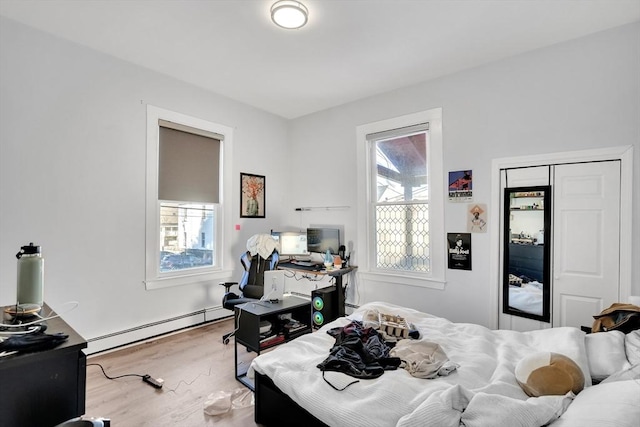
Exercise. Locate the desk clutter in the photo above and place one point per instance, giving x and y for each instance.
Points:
(286, 328)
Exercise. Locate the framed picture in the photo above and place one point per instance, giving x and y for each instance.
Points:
(252, 200)
(459, 251)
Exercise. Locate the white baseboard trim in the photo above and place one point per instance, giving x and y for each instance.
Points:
(152, 330)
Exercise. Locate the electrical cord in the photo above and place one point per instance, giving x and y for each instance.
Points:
(40, 318)
(116, 377)
(156, 383)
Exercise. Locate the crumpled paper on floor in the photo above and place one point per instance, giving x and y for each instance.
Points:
(221, 402)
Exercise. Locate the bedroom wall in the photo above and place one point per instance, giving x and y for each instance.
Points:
(72, 150)
(72, 179)
(582, 94)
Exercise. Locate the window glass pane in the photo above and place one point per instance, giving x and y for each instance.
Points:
(401, 203)
(401, 168)
(186, 236)
(402, 237)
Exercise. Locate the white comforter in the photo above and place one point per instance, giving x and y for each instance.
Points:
(482, 391)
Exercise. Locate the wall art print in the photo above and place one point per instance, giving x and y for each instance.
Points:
(252, 196)
(459, 251)
(460, 186)
(477, 218)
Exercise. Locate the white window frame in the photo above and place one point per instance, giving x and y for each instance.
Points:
(435, 278)
(154, 279)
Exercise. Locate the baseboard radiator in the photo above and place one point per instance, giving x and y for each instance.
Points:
(151, 330)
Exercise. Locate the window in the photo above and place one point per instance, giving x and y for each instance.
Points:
(402, 194)
(185, 188)
(400, 199)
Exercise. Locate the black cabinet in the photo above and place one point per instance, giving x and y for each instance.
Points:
(44, 388)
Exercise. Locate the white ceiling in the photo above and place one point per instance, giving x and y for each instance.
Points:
(350, 49)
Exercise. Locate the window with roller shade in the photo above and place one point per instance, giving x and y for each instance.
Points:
(185, 159)
(188, 193)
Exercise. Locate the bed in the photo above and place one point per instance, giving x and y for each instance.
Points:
(482, 389)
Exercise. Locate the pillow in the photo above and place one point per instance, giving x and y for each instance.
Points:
(632, 346)
(606, 353)
(632, 373)
(615, 404)
(547, 373)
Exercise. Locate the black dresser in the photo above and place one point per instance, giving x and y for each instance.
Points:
(44, 388)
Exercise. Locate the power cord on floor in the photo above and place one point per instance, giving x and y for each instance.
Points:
(153, 382)
(188, 383)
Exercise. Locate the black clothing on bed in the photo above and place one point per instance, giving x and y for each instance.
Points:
(359, 352)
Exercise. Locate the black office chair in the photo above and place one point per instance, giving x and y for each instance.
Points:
(251, 284)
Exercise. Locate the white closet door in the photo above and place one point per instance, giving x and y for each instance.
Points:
(586, 250)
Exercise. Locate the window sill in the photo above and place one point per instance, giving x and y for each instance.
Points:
(202, 278)
(403, 279)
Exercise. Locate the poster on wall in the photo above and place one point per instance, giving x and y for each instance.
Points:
(477, 218)
(252, 196)
(460, 186)
(459, 252)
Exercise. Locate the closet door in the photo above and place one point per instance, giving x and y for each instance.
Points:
(586, 242)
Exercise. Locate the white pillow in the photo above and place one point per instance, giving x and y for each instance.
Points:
(615, 404)
(606, 353)
(632, 346)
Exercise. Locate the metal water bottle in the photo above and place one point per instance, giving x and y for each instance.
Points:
(30, 277)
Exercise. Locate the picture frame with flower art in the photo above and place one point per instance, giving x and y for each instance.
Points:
(252, 195)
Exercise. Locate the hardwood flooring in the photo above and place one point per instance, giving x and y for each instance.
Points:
(194, 364)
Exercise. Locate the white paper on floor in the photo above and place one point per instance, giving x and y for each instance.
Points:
(222, 401)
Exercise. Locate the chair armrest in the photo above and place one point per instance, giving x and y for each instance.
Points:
(227, 285)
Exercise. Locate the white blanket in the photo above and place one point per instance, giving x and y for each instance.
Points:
(486, 360)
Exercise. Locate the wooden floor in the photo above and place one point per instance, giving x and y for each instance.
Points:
(194, 364)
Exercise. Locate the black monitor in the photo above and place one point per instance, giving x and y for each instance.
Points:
(292, 243)
(321, 239)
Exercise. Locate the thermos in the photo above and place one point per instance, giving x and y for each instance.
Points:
(30, 277)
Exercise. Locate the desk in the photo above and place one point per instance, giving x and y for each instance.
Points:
(248, 318)
(338, 298)
(48, 387)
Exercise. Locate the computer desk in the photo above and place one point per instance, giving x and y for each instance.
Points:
(320, 271)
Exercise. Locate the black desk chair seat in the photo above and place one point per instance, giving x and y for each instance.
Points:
(251, 284)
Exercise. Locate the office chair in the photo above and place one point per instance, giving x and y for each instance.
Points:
(251, 284)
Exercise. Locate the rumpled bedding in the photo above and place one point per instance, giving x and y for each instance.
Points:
(481, 391)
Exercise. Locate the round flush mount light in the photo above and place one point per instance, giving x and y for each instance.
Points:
(289, 14)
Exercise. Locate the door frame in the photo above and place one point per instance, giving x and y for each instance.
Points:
(623, 153)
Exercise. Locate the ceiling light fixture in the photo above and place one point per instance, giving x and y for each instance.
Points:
(289, 14)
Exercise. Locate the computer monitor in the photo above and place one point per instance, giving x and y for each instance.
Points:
(292, 243)
(321, 239)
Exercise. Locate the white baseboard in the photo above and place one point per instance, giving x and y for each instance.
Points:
(146, 332)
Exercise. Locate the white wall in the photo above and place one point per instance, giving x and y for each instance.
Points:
(72, 153)
(578, 95)
(72, 178)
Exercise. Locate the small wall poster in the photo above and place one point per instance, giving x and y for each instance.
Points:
(477, 218)
(460, 186)
(459, 252)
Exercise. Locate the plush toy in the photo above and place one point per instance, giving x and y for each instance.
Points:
(547, 373)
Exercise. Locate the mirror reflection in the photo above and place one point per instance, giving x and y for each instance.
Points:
(526, 257)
